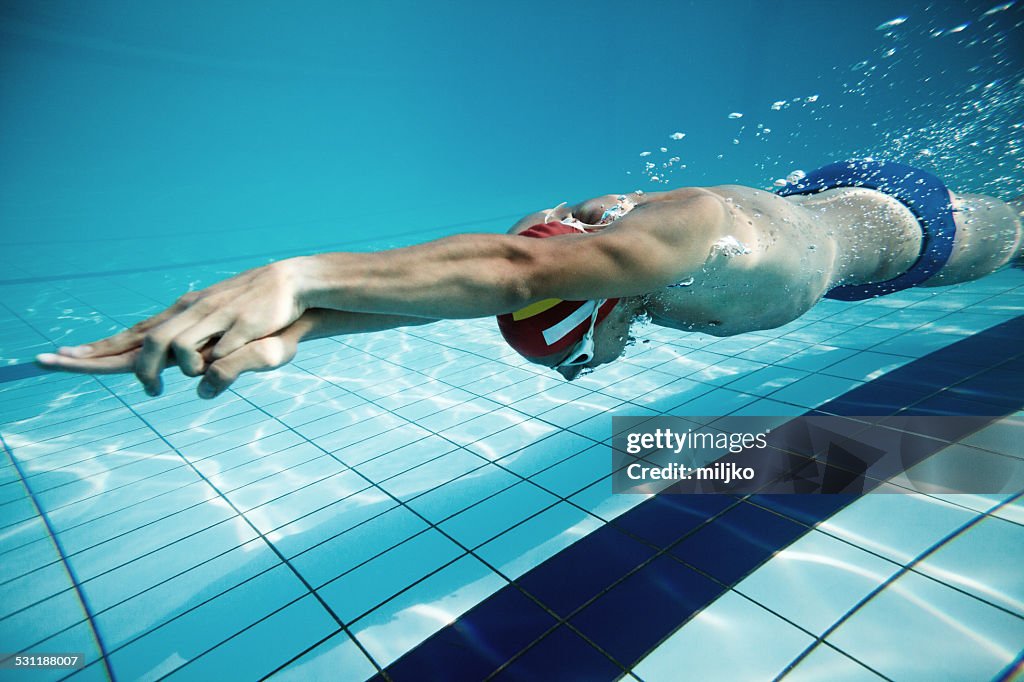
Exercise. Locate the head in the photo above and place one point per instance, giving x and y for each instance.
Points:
(610, 340)
(569, 336)
(600, 337)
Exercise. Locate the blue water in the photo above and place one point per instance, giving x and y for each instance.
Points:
(328, 519)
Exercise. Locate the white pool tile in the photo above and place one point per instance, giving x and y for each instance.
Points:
(123, 614)
(361, 542)
(672, 395)
(404, 622)
(161, 651)
(41, 620)
(114, 552)
(866, 366)
(731, 639)
(432, 474)
(261, 648)
(598, 499)
(529, 431)
(371, 584)
(899, 527)
(985, 561)
(816, 580)
(538, 538)
(814, 390)
(497, 513)
(338, 658)
(545, 453)
(825, 664)
(917, 619)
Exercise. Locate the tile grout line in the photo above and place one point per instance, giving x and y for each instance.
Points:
(231, 505)
(464, 389)
(908, 568)
(279, 253)
(67, 567)
(773, 511)
(258, 532)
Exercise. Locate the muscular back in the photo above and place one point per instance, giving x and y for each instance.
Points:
(730, 259)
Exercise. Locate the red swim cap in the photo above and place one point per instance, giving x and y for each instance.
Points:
(552, 325)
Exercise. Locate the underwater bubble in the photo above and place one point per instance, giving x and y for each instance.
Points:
(796, 176)
(776, 106)
(767, 130)
(663, 149)
(677, 136)
(729, 246)
(780, 182)
(888, 53)
(735, 141)
(735, 114)
(957, 29)
(812, 98)
(891, 23)
(655, 178)
(999, 8)
(645, 153)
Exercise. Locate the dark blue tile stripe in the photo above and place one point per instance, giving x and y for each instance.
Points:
(24, 370)
(649, 598)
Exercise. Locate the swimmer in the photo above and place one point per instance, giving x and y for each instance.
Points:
(566, 283)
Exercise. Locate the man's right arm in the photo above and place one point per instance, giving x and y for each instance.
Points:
(477, 275)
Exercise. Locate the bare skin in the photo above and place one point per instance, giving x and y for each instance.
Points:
(742, 260)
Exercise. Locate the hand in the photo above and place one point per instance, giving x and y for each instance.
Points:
(223, 318)
(112, 357)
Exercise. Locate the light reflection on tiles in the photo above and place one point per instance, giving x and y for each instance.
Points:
(371, 466)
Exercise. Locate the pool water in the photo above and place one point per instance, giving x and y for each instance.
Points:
(422, 503)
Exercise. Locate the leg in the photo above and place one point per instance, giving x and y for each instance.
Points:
(989, 236)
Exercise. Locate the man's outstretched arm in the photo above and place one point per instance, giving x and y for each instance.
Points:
(463, 276)
(118, 354)
(478, 275)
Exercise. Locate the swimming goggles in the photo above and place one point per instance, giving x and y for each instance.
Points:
(583, 351)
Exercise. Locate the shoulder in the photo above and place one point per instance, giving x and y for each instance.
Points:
(672, 217)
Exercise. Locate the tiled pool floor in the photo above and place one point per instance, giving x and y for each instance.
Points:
(323, 520)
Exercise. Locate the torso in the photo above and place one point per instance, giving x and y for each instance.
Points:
(779, 255)
(797, 249)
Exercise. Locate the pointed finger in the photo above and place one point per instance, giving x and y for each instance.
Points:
(113, 364)
(129, 338)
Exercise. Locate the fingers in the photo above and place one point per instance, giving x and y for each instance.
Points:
(258, 356)
(158, 341)
(129, 338)
(112, 364)
(112, 345)
(243, 331)
(192, 349)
